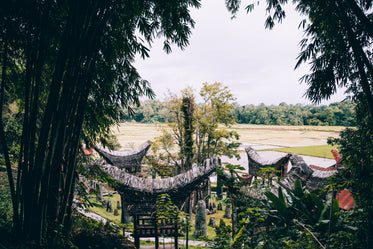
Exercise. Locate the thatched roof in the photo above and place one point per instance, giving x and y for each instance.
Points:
(179, 187)
(128, 160)
(299, 171)
(321, 172)
(256, 162)
(313, 177)
(163, 185)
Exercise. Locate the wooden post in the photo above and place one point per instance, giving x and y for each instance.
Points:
(156, 233)
(176, 235)
(176, 242)
(137, 239)
(187, 226)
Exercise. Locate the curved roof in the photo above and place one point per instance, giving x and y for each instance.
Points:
(141, 193)
(256, 162)
(129, 160)
(164, 185)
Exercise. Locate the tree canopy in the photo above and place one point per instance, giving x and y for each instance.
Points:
(335, 114)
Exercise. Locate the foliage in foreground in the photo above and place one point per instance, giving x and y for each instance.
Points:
(68, 66)
(357, 152)
(291, 219)
(88, 233)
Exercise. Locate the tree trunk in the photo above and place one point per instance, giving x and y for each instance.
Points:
(2, 136)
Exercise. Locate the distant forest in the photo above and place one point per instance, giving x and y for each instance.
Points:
(335, 114)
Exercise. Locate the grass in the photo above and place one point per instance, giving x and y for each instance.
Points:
(101, 210)
(322, 151)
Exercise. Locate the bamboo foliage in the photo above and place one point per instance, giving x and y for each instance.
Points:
(76, 59)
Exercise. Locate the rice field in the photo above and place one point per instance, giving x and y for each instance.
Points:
(289, 139)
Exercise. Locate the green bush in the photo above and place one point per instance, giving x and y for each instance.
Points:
(88, 234)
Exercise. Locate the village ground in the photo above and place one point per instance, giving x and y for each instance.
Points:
(261, 138)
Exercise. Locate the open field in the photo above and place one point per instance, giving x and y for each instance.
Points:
(131, 134)
(261, 137)
(286, 136)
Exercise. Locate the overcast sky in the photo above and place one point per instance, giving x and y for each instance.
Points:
(256, 64)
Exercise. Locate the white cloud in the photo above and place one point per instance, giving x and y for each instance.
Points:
(255, 63)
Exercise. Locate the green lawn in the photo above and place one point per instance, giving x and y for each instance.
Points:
(102, 210)
(317, 151)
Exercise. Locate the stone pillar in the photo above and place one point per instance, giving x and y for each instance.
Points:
(212, 221)
(125, 217)
(99, 193)
(200, 228)
(228, 212)
(109, 207)
(219, 187)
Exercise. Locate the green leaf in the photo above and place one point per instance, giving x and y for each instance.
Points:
(298, 189)
(279, 203)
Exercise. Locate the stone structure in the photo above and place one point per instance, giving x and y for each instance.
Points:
(116, 212)
(200, 227)
(109, 207)
(212, 221)
(228, 212)
(99, 193)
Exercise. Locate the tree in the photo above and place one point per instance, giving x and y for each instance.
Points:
(356, 149)
(179, 131)
(70, 63)
(212, 139)
(199, 131)
(187, 108)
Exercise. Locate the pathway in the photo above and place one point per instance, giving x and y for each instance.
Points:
(171, 243)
